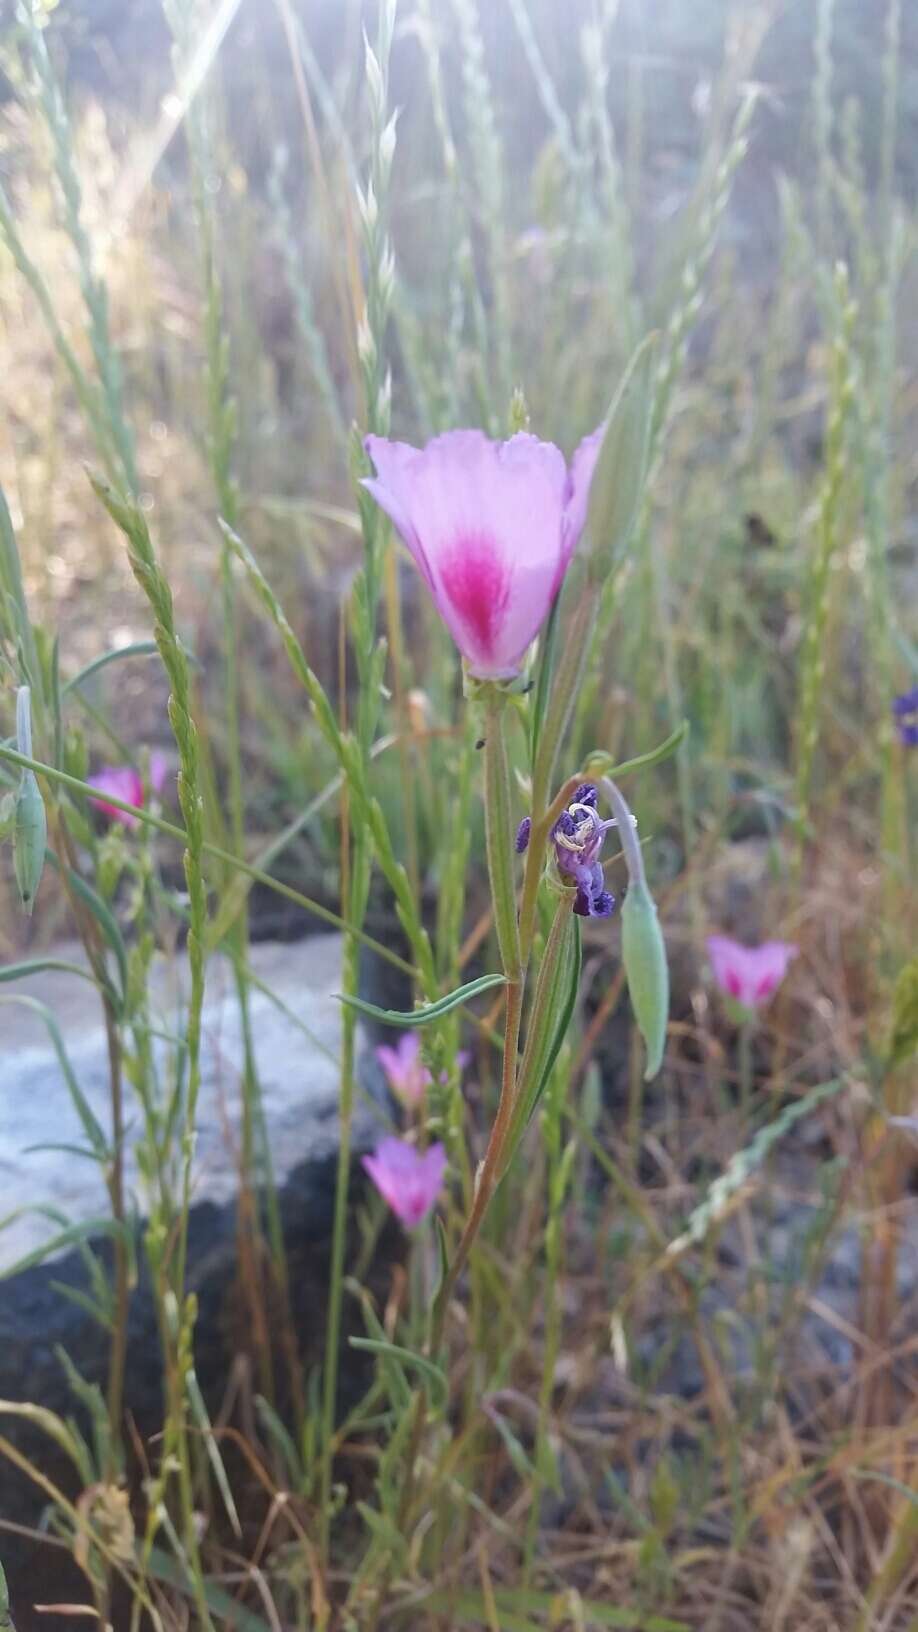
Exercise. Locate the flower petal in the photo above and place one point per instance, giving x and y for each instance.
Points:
(483, 521)
(577, 501)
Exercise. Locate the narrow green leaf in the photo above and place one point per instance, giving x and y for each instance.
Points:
(137, 648)
(107, 922)
(75, 1235)
(431, 1011)
(40, 966)
(552, 1009)
(91, 1127)
(602, 765)
(199, 1413)
(621, 467)
(407, 1357)
(223, 1604)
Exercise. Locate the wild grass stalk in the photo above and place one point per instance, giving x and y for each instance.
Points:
(487, 159)
(169, 1257)
(369, 654)
(813, 665)
(93, 288)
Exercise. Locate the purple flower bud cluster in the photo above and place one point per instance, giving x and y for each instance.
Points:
(905, 711)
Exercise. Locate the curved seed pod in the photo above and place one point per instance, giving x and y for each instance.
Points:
(643, 948)
(30, 838)
(30, 825)
(646, 970)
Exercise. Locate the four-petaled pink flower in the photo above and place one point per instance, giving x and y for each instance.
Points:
(408, 1179)
(125, 782)
(749, 974)
(492, 527)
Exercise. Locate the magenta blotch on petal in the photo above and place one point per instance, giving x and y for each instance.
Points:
(749, 974)
(408, 1179)
(491, 526)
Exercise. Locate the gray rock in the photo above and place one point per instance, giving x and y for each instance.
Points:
(296, 1049)
(296, 1044)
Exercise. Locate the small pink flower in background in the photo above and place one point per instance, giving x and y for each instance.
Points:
(492, 527)
(125, 782)
(159, 772)
(408, 1179)
(406, 1075)
(749, 974)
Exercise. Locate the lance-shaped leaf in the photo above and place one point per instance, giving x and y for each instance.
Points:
(431, 1011)
(552, 1011)
(621, 469)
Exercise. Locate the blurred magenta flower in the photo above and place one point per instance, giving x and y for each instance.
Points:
(492, 527)
(125, 782)
(408, 1179)
(905, 711)
(749, 974)
(406, 1075)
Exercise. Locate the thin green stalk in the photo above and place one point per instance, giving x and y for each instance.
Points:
(145, 567)
(95, 295)
(370, 658)
(813, 659)
(559, 1164)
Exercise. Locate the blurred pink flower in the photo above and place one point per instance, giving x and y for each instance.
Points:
(406, 1075)
(125, 782)
(408, 1179)
(749, 974)
(492, 527)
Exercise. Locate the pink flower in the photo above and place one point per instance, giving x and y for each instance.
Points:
(406, 1075)
(126, 783)
(492, 527)
(408, 1078)
(407, 1179)
(749, 974)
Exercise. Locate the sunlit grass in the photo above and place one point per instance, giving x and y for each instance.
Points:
(629, 1393)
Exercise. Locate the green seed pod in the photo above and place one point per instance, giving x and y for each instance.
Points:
(646, 970)
(30, 838)
(30, 825)
(7, 815)
(643, 948)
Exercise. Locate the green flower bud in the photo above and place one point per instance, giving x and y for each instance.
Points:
(643, 948)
